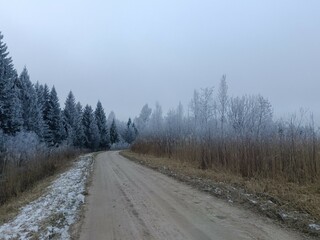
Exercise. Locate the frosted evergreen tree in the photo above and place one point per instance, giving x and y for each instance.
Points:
(79, 139)
(102, 126)
(40, 90)
(90, 127)
(44, 100)
(69, 117)
(54, 120)
(136, 131)
(31, 112)
(44, 103)
(131, 132)
(10, 106)
(114, 137)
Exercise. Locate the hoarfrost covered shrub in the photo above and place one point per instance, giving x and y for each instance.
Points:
(22, 147)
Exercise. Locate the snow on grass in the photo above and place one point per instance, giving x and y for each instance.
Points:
(315, 227)
(51, 215)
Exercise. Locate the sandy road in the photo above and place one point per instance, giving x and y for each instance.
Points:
(129, 201)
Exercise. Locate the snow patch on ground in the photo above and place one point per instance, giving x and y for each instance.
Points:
(315, 227)
(51, 215)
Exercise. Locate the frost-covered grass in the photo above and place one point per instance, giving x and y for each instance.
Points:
(22, 168)
(51, 215)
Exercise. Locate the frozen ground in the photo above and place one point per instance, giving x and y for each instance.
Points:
(51, 215)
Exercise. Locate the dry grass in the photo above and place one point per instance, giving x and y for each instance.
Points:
(17, 179)
(291, 196)
(11, 207)
(295, 160)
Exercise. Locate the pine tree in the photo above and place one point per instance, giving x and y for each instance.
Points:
(131, 132)
(114, 137)
(79, 139)
(69, 117)
(40, 89)
(54, 120)
(44, 102)
(102, 126)
(40, 95)
(90, 127)
(31, 112)
(10, 106)
(136, 131)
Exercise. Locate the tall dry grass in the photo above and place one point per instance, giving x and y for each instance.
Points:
(17, 178)
(291, 158)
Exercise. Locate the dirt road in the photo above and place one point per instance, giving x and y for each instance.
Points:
(129, 201)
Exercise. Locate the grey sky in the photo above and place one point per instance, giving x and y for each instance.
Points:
(127, 53)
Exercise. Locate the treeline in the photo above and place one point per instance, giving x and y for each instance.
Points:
(235, 134)
(37, 136)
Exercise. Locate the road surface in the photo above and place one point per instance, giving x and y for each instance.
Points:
(129, 201)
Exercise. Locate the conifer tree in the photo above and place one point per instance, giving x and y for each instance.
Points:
(31, 112)
(10, 106)
(114, 137)
(69, 117)
(40, 89)
(130, 133)
(44, 100)
(54, 120)
(90, 127)
(79, 139)
(102, 126)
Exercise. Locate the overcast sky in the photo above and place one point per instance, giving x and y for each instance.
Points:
(131, 52)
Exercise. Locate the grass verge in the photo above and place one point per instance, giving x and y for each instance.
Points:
(290, 204)
(11, 207)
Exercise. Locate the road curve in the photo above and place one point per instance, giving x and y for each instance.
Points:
(129, 201)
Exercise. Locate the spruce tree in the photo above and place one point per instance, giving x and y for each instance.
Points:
(40, 89)
(90, 127)
(10, 106)
(44, 99)
(54, 120)
(31, 112)
(128, 133)
(114, 137)
(79, 138)
(131, 132)
(102, 126)
(69, 117)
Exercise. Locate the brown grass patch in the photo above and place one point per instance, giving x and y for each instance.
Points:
(11, 207)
